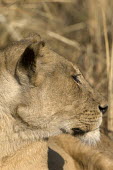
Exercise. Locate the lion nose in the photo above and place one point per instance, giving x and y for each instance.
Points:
(103, 109)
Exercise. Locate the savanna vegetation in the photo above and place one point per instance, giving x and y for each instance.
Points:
(80, 30)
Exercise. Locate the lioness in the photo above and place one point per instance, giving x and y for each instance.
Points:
(41, 95)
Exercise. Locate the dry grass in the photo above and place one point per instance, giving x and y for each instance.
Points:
(80, 30)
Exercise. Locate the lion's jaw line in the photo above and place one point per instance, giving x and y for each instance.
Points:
(91, 138)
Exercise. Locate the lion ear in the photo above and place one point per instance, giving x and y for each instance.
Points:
(26, 66)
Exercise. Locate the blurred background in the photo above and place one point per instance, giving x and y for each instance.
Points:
(79, 30)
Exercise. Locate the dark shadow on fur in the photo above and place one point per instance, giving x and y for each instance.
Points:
(55, 161)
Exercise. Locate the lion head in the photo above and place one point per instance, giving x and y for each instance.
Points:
(43, 94)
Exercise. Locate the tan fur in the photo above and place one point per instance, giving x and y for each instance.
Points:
(33, 156)
(39, 98)
(79, 156)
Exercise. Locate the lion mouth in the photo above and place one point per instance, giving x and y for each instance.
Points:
(87, 137)
(74, 131)
(78, 131)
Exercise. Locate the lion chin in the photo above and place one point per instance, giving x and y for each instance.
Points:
(91, 138)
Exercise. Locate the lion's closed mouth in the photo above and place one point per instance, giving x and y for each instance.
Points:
(75, 131)
(78, 131)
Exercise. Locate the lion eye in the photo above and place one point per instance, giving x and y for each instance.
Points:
(75, 77)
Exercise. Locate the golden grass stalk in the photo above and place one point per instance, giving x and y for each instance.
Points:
(106, 43)
(109, 64)
(64, 39)
(110, 114)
